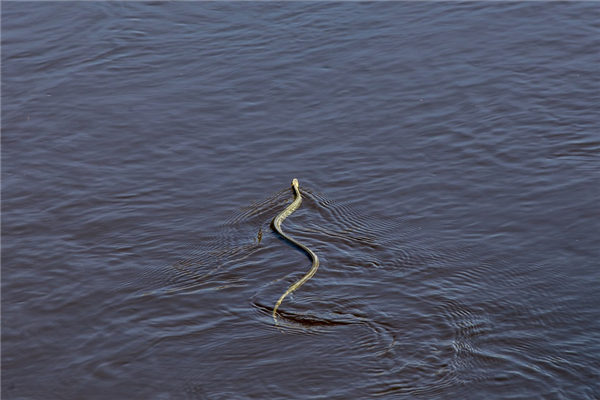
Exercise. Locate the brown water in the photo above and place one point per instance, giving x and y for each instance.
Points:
(448, 154)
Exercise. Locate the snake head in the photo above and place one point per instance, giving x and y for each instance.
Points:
(295, 183)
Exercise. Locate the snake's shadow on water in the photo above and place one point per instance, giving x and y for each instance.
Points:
(303, 320)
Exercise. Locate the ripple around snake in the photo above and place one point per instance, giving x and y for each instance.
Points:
(453, 340)
(338, 227)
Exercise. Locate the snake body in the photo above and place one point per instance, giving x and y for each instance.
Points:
(277, 221)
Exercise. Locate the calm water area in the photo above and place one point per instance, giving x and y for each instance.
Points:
(448, 155)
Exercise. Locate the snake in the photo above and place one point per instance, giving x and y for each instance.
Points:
(277, 221)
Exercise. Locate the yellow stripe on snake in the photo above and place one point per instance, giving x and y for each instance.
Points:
(277, 226)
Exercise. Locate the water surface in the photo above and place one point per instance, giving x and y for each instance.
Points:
(448, 154)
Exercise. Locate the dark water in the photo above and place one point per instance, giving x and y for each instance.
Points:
(449, 157)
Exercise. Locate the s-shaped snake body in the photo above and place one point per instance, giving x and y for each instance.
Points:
(277, 226)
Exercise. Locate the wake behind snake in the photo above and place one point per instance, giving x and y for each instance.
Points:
(277, 221)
